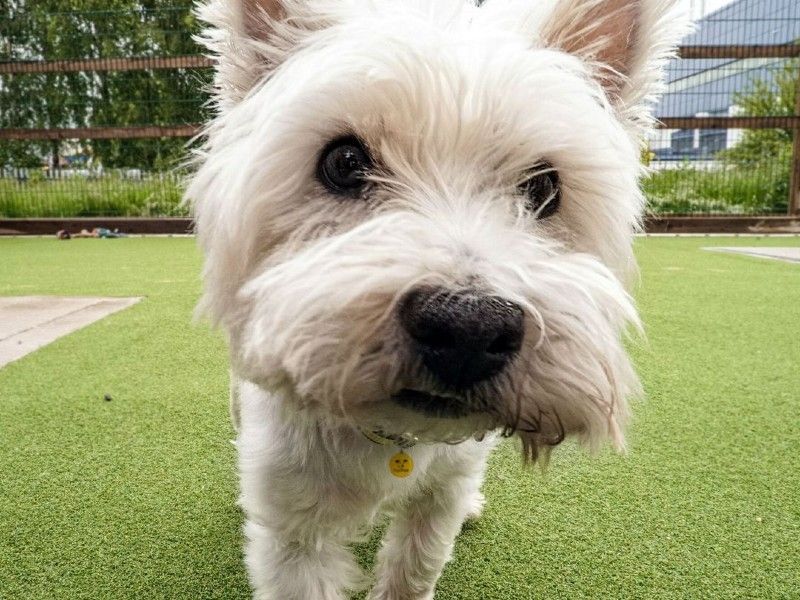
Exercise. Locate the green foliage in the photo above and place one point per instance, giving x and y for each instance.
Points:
(111, 196)
(70, 29)
(727, 190)
(754, 174)
(767, 99)
(686, 190)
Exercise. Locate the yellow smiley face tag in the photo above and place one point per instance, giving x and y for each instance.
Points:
(401, 465)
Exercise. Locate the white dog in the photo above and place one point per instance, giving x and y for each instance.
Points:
(417, 217)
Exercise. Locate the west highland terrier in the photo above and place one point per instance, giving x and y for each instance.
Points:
(417, 218)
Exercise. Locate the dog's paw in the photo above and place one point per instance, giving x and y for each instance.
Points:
(475, 509)
(394, 595)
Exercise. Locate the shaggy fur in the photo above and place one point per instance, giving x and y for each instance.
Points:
(457, 105)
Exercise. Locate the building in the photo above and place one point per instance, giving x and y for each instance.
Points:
(708, 87)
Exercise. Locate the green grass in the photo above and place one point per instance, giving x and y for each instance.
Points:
(134, 498)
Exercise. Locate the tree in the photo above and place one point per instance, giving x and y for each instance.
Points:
(767, 99)
(65, 29)
(766, 154)
(37, 100)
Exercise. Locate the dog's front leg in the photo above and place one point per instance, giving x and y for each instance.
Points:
(298, 515)
(283, 567)
(420, 539)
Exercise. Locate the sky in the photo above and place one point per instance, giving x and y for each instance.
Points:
(701, 8)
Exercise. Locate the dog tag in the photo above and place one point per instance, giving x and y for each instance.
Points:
(401, 464)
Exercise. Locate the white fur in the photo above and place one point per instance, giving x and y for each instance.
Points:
(457, 104)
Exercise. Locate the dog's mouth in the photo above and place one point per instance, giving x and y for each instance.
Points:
(433, 405)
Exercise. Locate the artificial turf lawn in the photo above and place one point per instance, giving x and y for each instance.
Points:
(134, 497)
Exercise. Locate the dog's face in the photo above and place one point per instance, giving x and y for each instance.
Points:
(418, 215)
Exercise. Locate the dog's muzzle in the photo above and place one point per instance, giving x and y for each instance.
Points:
(462, 337)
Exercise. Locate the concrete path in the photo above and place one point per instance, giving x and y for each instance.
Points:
(29, 322)
(785, 254)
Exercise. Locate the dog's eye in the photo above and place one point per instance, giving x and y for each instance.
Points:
(543, 191)
(343, 165)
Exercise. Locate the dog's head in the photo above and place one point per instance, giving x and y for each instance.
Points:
(418, 216)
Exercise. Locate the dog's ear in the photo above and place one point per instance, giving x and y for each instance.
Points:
(626, 42)
(249, 38)
(259, 16)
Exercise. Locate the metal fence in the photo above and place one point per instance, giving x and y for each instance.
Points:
(96, 108)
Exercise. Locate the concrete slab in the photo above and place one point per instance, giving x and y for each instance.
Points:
(29, 322)
(785, 254)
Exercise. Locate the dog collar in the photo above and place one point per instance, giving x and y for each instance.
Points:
(402, 441)
(383, 439)
(400, 464)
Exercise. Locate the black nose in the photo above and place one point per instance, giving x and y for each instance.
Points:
(462, 337)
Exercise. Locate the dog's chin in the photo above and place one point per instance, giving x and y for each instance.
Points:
(434, 405)
(423, 416)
